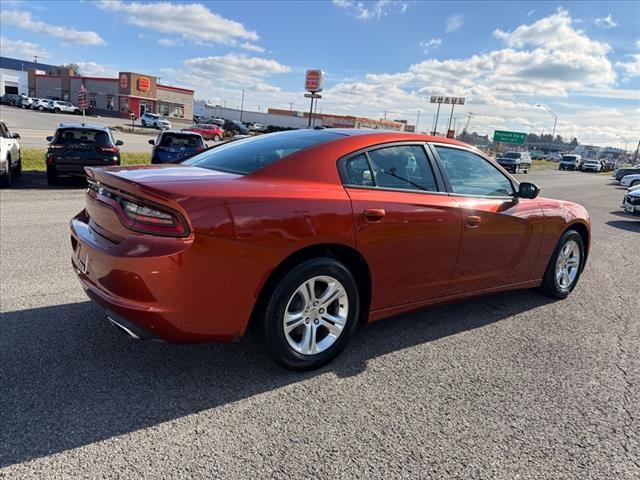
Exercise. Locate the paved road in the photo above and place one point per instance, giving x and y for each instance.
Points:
(34, 127)
(507, 386)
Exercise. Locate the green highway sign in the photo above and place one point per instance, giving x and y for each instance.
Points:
(509, 137)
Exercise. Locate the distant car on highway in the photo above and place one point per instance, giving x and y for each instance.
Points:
(631, 201)
(75, 146)
(208, 131)
(591, 165)
(59, 106)
(10, 159)
(515, 161)
(172, 146)
(154, 120)
(570, 162)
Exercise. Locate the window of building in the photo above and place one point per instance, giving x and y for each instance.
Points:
(92, 101)
(178, 111)
(109, 102)
(164, 109)
(471, 174)
(124, 104)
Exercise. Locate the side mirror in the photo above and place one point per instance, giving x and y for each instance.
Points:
(119, 143)
(15, 135)
(151, 142)
(528, 190)
(49, 139)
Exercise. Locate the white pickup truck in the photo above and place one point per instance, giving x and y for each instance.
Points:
(10, 161)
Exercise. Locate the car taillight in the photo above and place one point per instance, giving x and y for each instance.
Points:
(110, 149)
(199, 149)
(139, 215)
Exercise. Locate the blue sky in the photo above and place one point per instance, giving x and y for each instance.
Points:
(582, 59)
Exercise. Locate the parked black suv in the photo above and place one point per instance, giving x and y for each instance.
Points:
(75, 146)
(235, 125)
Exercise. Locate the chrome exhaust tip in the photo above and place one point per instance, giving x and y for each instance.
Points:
(123, 329)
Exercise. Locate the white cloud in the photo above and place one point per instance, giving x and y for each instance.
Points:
(93, 69)
(429, 45)
(168, 42)
(372, 10)
(630, 68)
(454, 22)
(21, 49)
(191, 21)
(554, 32)
(605, 22)
(22, 19)
(250, 47)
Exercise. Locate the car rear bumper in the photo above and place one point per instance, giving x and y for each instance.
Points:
(178, 290)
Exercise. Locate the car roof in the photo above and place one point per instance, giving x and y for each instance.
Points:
(181, 132)
(92, 126)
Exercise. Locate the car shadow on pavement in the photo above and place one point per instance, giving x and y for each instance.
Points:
(630, 225)
(35, 180)
(70, 379)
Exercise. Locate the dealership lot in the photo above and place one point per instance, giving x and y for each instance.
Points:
(511, 385)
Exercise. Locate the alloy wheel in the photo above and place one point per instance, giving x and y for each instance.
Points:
(316, 315)
(567, 264)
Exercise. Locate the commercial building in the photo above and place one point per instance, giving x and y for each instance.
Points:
(13, 74)
(128, 94)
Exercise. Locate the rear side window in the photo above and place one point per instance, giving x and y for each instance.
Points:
(404, 167)
(471, 174)
(251, 154)
(358, 171)
(76, 136)
(180, 140)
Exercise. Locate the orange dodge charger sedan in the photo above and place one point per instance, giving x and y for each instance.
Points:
(306, 233)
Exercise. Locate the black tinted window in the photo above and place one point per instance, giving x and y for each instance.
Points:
(358, 171)
(471, 174)
(403, 167)
(251, 154)
(71, 136)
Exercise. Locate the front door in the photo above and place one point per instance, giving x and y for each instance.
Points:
(408, 231)
(501, 233)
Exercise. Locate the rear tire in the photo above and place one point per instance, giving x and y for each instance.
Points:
(144, 124)
(216, 138)
(18, 168)
(326, 330)
(41, 109)
(52, 176)
(554, 283)
(56, 110)
(5, 178)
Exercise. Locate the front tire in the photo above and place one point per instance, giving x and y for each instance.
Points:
(5, 178)
(144, 124)
(216, 138)
(310, 314)
(18, 168)
(565, 266)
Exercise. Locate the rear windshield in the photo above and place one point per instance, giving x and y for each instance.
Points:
(511, 155)
(181, 140)
(76, 136)
(568, 158)
(251, 154)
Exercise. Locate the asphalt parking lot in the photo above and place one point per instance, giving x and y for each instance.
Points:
(34, 127)
(507, 386)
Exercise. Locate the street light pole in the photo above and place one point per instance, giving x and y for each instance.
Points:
(418, 121)
(466, 127)
(242, 105)
(555, 121)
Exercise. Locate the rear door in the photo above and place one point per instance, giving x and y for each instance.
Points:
(501, 233)
(407, 229)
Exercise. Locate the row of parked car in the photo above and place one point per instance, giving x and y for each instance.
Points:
(242, 128)
(629, 177)
(40, 104)
(576, 162)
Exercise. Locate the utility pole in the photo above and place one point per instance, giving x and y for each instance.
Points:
(385, 114)
(290, 106)
(555, 121)
(435, 125)
(635, 157)
(418, 121)
(466, 127)
(242, 105)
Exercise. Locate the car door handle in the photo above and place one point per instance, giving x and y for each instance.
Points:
(473, 221)
(374, 214)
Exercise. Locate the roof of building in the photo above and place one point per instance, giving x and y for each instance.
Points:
(23, 65)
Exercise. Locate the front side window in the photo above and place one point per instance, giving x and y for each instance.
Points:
(471, 174)
(403, 167)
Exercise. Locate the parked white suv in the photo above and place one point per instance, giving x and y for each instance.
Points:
(58, 106)
(10, 161)
(154, 120)
(41, 104)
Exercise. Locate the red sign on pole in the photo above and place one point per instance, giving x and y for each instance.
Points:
(451, 134)
(313, 81)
